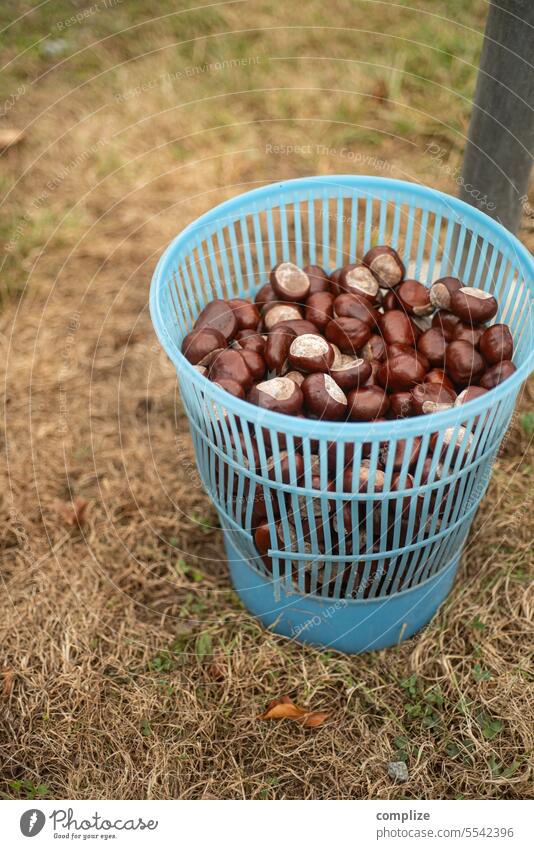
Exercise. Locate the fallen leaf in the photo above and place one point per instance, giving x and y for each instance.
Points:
(9, 680)
(9, 137)
(284, 708)
(380, 90)
(216, 671)
(73, 512)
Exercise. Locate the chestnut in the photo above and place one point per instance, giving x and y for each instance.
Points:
(319, 280)
(296, 377)
(431, 398)
(249, 340)
(364, 476)
(437, 375)
(446, 322)
(310, 352)
(441, 291)
(401, 405)
(351, 372)
(246, 314)
(201, 370)
(463, 363)
(433, 346)
(199, 346)
(277, 347)
(230, 364)
(231, 386)
(367, 403)
(217, 315)
(496, 344)
(255, 364)
(401, 372)
(372, 380)
(265, 295)
(323, 398)
(357, 279)
(390, 301)
(386, 265)
(262, 541)
(319, 309)
(298, 325)
(354, 307)
(463, 438)
(396, 326)
(469, 394)
(467, 333)
(496, 374)
(415, 298)
(401, 452)
(280, 469)
(374, 349)
(276, 313)
(280, 395)
(289, 282)
(349, 334)
(474, 306)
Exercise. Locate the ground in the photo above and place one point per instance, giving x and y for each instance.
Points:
(130, 670)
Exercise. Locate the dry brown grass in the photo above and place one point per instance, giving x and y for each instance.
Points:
(106, 692)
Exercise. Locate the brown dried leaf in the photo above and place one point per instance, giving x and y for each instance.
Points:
(216, 671)
(313, 720)
(9, 137)
(284, 708)
(9, 680)
(73, 512)
(380, 90)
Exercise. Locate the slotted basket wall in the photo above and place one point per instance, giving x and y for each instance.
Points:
(348, 570)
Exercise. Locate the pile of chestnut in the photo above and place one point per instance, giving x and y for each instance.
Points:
(359, 344)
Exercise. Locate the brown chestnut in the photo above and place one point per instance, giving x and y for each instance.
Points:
(289, 282)
(401, 451)
(280, 395)
(265, 295)
(255, 364)
(319, 309)
(390, 301)
(374, 349)
(319, 279)
(386, 265)
(217, 315)
(281, 469)
(277, 347)
(446, 322)
(433, 346)
(357, 279)
(349, 334)
(200, 346)
(463, 440)
(401, 405)
(474, 306)
(298, 325)
(396, 326)
(497, 374)
(438, 376)
(496, 344)
(401, 372)
(354, 307)
(310, 352)
(275, 313)
(230, 364)
(351, 372)
(246, 314)
(231, 386)
(415, 298)
(263, 542)
(323, 398)
(469, 394)
(441, 291)
(463, 363)
(467, 333)
(431, 398)
(367, 403)
(249, 340)
(296, 377)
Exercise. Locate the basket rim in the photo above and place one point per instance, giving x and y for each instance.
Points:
(322, 429)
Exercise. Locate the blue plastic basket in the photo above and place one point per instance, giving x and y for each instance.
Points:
(384, 578)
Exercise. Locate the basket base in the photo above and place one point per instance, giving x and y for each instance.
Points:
(347, 625)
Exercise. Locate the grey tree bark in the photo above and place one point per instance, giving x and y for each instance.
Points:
(499, 152)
